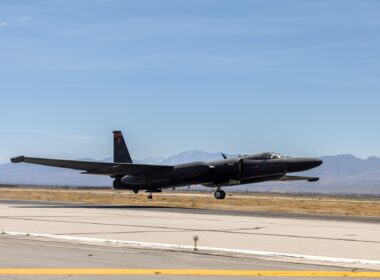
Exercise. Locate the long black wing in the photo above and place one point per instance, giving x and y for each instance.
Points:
(98, 168)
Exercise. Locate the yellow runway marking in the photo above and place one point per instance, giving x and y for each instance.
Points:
(186, 272)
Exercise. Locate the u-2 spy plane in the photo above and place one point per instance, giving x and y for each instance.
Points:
(214, 174)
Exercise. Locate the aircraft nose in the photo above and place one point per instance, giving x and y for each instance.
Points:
(302, 164)
(312, 162)
(316, 162)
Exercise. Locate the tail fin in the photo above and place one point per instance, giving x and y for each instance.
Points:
(120, 150)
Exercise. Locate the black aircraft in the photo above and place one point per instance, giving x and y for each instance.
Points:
(214, 174)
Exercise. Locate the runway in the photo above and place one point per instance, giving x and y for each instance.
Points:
(147, 264)
(227, 239)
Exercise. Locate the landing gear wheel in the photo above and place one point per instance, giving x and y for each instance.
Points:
(223, 194)
(150, 196)
(219, 194)
(135, 191)
(116, 184)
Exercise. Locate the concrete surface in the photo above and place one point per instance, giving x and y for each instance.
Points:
(26, 253)
(319, 236)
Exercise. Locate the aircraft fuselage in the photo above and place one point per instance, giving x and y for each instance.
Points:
(221, 173)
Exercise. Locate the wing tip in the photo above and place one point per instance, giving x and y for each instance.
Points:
(18, 159)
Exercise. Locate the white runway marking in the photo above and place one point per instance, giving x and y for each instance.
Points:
(99, 241)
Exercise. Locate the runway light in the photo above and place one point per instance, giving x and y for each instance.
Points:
(195, 238)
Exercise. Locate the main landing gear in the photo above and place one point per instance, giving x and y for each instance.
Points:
(220, 194)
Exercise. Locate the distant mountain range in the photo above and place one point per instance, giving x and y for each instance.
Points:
(340, 174)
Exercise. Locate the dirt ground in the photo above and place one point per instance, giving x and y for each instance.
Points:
(247, 202)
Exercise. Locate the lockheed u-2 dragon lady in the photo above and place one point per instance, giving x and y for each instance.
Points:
(214, 174)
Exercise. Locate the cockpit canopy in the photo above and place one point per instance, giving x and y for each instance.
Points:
(275, 156)
(268, 156)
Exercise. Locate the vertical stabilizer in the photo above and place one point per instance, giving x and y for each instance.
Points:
(120, 150)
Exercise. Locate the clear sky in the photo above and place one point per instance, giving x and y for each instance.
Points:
(297, 77)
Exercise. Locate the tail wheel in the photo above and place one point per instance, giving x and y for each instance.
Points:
(116, 183)
(219, 194)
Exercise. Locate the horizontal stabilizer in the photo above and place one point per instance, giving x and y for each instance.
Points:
(18, 159)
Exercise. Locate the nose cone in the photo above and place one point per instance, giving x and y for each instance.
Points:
(309, 163)
(302, 164)
(317, 162)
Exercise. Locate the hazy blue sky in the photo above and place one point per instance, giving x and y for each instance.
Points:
(298, 77)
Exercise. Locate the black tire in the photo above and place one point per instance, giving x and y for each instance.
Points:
(223, 194)
(219, 194)
(116, 184)
(135, 191)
